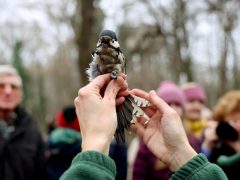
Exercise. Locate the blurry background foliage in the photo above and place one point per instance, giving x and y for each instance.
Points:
(50, 43)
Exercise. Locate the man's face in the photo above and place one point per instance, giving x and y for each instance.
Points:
(10, 92)
(194, 109)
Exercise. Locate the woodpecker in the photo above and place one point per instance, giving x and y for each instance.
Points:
(108, 58)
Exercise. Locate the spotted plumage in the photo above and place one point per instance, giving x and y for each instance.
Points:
(108, 58)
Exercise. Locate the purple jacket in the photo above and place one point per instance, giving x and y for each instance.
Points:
(148, 167)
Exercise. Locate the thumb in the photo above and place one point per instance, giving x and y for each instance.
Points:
(113, 88)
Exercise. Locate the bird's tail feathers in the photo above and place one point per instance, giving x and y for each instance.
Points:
(127, 114)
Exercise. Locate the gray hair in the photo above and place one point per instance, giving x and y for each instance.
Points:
(8, 70)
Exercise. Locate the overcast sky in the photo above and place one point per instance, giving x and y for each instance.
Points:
(27, 20)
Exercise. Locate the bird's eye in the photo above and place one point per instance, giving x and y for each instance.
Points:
(113, 41)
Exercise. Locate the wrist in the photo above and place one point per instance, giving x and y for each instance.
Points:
(98, 144)
(181, 157)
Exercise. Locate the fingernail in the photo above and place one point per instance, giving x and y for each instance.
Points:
(123, 75)
(152, 92)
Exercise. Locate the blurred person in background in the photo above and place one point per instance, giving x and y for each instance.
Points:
(118, 152)
(21, 145)
(146, 165)
(132, 151)
(63, 143)
(194, 121)
(222, 145)
(209, 138)
(161, 130)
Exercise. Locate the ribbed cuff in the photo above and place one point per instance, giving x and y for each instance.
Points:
(195, 164)
(98, 159)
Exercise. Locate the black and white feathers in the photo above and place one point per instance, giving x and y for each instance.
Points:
(108, 58)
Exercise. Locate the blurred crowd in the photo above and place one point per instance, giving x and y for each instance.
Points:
(25, 155)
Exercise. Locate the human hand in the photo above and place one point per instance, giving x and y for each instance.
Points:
(97, 113)
(210, 136)
(164, 135)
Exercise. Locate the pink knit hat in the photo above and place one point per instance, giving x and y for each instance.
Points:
(171, 93)
(194, 91)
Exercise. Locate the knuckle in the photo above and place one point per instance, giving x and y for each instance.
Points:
(76, 101)
(82, 92)
(173, 113)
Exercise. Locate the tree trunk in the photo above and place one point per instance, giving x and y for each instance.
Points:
(222, 67)
(84, 33)
(236, 74)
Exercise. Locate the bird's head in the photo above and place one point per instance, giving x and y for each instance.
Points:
(108, 38)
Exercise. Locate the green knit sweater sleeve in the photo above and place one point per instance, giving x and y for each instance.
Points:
(199, 168)
(90, 165)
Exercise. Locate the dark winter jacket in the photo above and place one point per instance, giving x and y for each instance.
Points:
(118, 152)
(63, 145)
(22, 151)
(233, 171)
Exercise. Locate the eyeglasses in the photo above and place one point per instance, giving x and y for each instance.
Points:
(14, 87)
